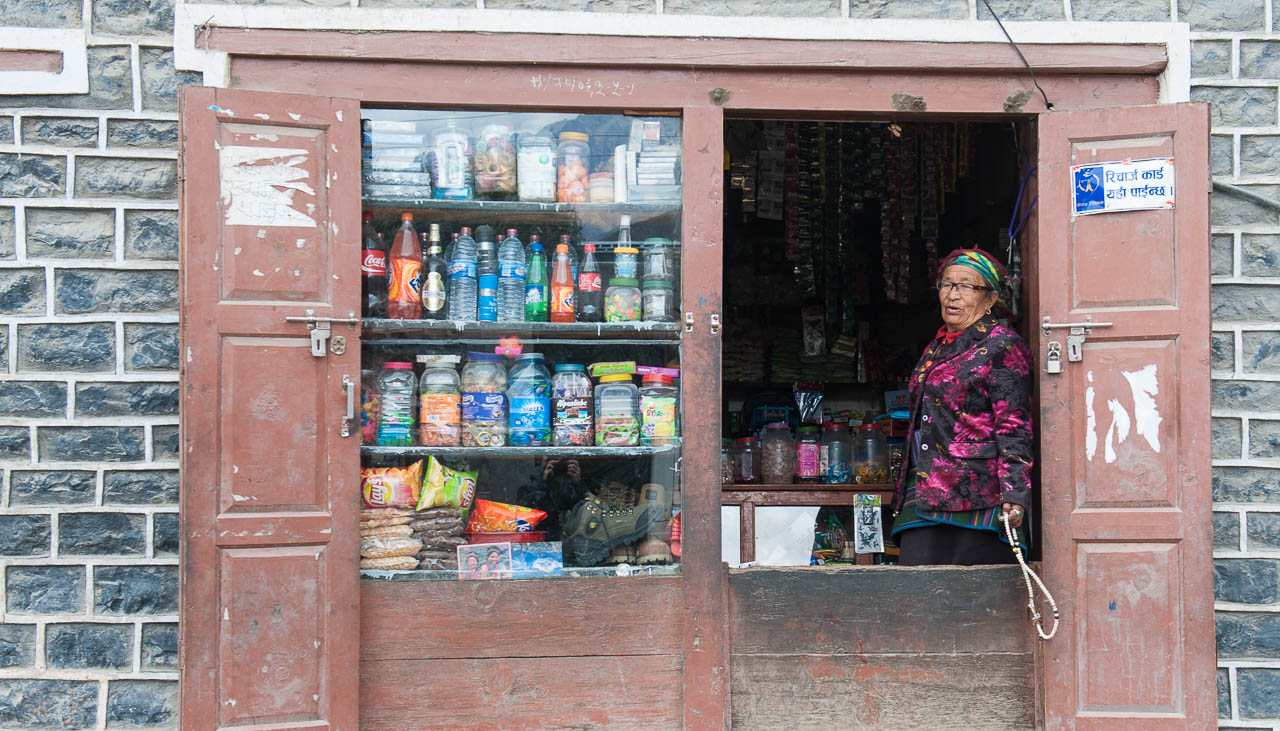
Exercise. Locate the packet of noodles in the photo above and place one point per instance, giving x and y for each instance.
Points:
(491, 517)
(446, 488)
(391, 487)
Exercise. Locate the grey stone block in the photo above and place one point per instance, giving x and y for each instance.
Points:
(1259, 154)
(142, 703)
(1264, 439)
(63, 131)
(110, 83)
(87, 347)
(1109, 10)
(1263, 530)
(160, 646)
(126, 399)
(926, 9)
(1246, 580)
(32, 176)
(104, 290)
(151, 235)
(1258, 692)
(1226, 439)
(1221, 149)
(1259, 59)
(1224, 693)
(1222, 254)
(1247, 634)
(52, 487)
(164, 443)
(164, 538)
(102, 534)
(581, 6)
(417, 4)
(33, 398)
(305, 3)
(1226, 531)
(17, 645)
(42, 14)
(1023, 10)
(133, 17)
(24, 535)
(91, 443)
(1239, 106)
(150, 347)
(117, 177)
(160, 81)
(1210, 58)
(142, 133)
(22, 292)
(15, 442)
(1246, 395)
(135, 589)
(6, 130)
(8, 242)
(1260, 255)
(1229, 209)
(1246, 485)
(84, 645)
(44, 589)
(143, 487)
(1244, 302)
(71, 233)
(49, 704)
(1216, 15)
(1261, 351)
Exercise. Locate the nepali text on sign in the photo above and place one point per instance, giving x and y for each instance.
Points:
(1127, 185)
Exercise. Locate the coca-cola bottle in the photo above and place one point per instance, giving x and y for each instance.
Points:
(373, 270)
(590, 292)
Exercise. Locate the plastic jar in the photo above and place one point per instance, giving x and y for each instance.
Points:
(625, 260)
(659, 410)
(440, 404)
(573, 168)
(726, 462)
(368, 406)
(657, 257)
(617, 411)
(777, 455)
(495, 161)
(622, 301)
(451, 164)
(601, 187)
(870, 456)
(835, 454)
(529, 402)
(746, 461)
(659, 301)
(536, 169)
(808, 465)
(397, 389)
(572, 407)
(484, 401)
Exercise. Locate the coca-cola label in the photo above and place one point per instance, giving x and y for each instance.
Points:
(373, 263)
(589, 282)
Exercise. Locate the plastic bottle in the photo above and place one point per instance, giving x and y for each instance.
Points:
(434, 273)
(625, 256)
(484, 401)
(572, 407)
(404, 298)
(808, 463)
(397, 394)
(512, 270)
(562, 301)
(448, 250)
(777, 455)
(440, 404)
(617, 411)
(461, 301)
(590, 288)
(573, 256)
(535, 286)
(870, 455)
(486, 275)
(746, 461)
(529, 402)
(373, 270)
(659, 410)
(835, 454)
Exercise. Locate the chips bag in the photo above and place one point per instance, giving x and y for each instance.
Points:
(446, 488)
(491, 517)
(391, 487)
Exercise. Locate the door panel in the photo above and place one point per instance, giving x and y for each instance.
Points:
(270, 557)
(1124, 431)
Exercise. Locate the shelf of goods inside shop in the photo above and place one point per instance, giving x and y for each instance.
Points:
(648, 331)
(507, 452)
(448, 209)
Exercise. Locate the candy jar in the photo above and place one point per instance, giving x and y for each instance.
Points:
(617, 411)
(484, 401)
(529, 402)
(622, 301)
(572, 409)
(439, 404)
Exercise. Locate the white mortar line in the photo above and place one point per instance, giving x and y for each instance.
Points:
(102, 134)
(1231, 688)
(71, 177)
(99, 488)
(135, 61)
(131, 377)
(119, 235)
(137, 647)
(844, 7)
(11, 364)
(34, 457)
(54, 534)
(973, 9)
(1244, 530)
(1068, 12)
(119, 346)
(167, 204)
(1235, 170)
(148, 525)
(126, 265)
(1235, 58)
(5, 486)
(50, 283)
(71, 398)
(1244, 438)
(19, 232)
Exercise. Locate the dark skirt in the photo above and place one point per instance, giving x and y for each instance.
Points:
(945, 544)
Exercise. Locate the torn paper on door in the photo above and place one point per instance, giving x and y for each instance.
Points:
(258, 184)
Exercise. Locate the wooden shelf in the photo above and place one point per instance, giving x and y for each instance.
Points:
(602, 215)
(519, 452)
(569, 333)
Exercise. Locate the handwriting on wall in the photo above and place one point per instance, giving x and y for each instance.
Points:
(585, 85)
(1143, 388)
(258, 184)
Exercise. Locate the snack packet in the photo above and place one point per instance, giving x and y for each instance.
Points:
(446, 488)
(493, 517)
(391, 487)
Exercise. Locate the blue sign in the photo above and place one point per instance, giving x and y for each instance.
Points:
(1125, 185)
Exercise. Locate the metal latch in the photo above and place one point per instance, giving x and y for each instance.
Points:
(321, 328)
(688, 322)
(715, 324)
(1076, 333)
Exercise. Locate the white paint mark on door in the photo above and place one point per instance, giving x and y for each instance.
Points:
(1091, 421)
(258, 184)
(1145, 387)
(1118, 431)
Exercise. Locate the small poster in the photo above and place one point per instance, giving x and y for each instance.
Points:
(1127, 185)
(484, 561)
(868, 530)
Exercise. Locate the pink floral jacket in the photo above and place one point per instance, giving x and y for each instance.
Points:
(971, 400)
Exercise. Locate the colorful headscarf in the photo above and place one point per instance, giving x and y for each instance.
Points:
(992, 271)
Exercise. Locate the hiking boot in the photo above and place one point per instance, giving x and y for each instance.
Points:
(620, 555)
(652, 551)
(656, 492)
(592, 529)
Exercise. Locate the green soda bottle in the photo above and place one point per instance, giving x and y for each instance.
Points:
(535, 285)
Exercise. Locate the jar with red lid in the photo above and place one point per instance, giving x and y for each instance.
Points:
(659, 410)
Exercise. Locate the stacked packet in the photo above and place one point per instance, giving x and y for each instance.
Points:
(386, 539)
(438, 532)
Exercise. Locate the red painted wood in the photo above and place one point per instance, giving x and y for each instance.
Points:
(1127, 535)
(269, 547)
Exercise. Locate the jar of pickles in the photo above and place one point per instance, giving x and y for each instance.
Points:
(573, 182)
(622, 301)
(439, 400)
(484, 401)
(617, 411)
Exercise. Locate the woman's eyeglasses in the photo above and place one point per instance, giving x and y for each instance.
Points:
(965, 289)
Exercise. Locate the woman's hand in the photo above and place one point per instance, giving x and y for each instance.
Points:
(1013, 514)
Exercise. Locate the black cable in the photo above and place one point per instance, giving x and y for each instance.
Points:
(1017, 50)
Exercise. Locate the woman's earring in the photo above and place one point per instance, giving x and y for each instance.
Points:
(988, 310)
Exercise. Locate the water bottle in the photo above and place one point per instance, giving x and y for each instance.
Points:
(486, 275)
(512, 269)
(397, 399)
(461, 299)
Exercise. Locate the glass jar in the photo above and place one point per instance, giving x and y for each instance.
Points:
(777, 455)
(659, 302)
(658, 260)
(617, 411)
(870, 456)
(622, 301)
(573, 168)
(440, 404)
(624, 262)
(726, 462)
(529, 402)
(572, 407)
(835, 454)
(397, 389)
(495, 161)
(808, 467)
(746, 461)
(659, 410)
(536, 169)
(484, 401)
(368, 406)
(451, 164)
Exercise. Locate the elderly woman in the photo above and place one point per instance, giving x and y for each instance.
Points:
(969, 446)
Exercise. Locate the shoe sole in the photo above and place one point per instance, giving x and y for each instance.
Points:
(590, 552)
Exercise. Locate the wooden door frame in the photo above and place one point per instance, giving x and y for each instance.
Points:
(705, 80)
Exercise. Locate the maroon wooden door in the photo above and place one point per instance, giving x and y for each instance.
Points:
(1125, 429)
(270, 580)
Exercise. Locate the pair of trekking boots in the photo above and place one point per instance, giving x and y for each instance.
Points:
(596, 533)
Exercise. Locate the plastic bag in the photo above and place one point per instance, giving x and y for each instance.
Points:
(446, 488)
(391, 487)
(492, 517)
(809, 401)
